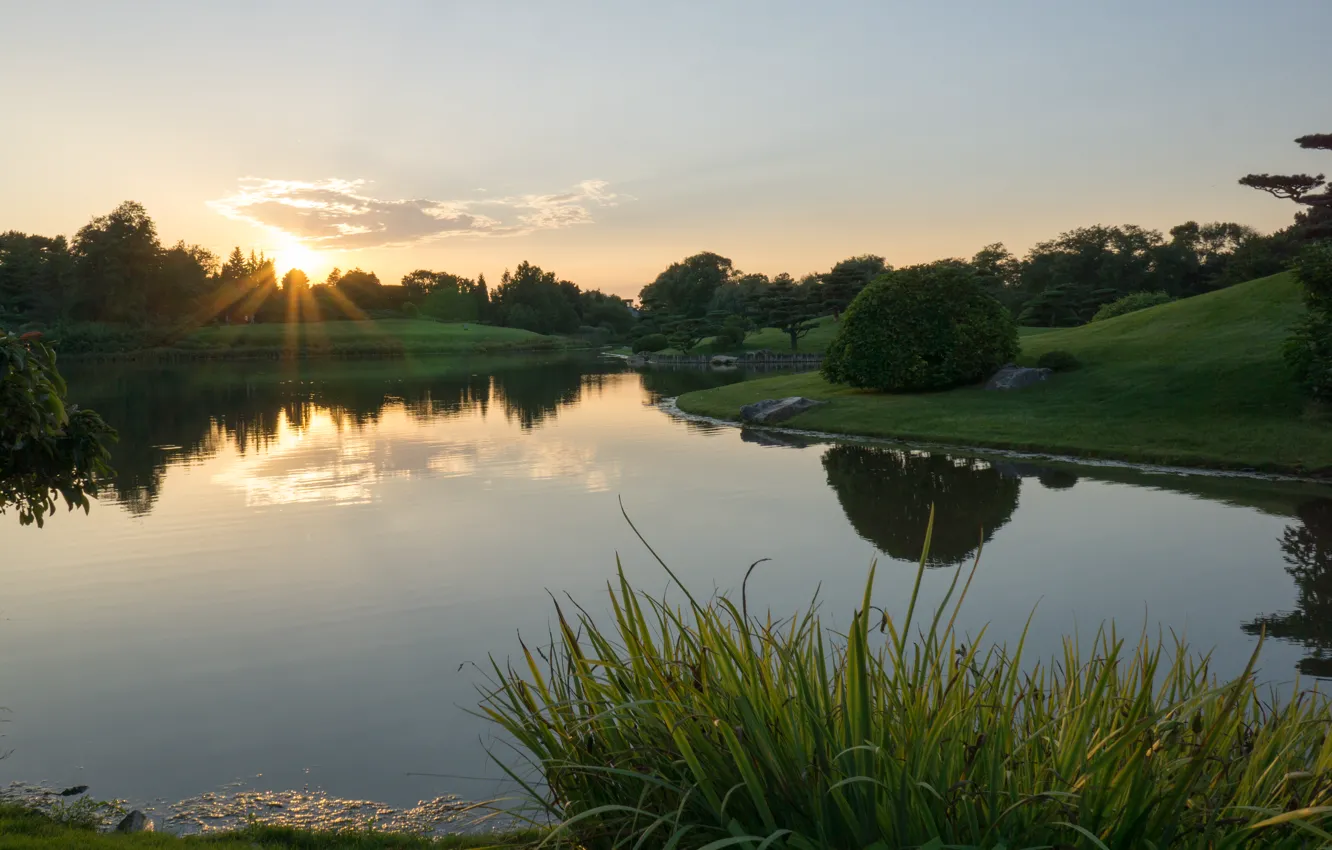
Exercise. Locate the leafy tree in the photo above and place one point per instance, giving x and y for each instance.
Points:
(295, 280)
(685, 288)
(844, 281)
(115, 256)
(36, 277)
(536, 300)
(48, 448)
(184, 280)
(788, 310)
(686, 333)
(1309, 349)
(1316, 221)
(919, 328)
(1131, 304)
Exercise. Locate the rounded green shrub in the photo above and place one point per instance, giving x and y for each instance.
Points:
(650, 343)
(1309, 348)
(1131, 304)
(919, 328)
(410, 310)
(1059, 360)
(730, 336)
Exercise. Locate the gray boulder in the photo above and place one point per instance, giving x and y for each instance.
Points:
(135, 821)
(1014, 377)
(722, 360)
(770, 411)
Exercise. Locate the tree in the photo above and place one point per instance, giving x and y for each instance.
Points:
(1316, 221)
(36, 276)
(787, 309)
(184, 280)
(295, 280)
(685, 288)
(48, 448)
(844, 281)
(925, 327)
(536, 300)
(116, 257)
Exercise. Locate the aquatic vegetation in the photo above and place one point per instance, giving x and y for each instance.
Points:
(703, 726)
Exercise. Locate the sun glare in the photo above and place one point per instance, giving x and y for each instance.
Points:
(297, 255)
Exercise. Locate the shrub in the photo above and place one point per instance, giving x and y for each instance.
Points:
(728, 337)
(921, 328)
(1058, 360)
(1131, 304)
(650, 343)
(410, 310)
(700, 725)
(1309, 349)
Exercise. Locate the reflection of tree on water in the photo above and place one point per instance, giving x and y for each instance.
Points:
(170, 415)
(660, 383)
(887, 495)
(1307, 549)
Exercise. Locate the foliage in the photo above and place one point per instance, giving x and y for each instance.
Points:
(651, 343)
(1200, 382)
(843, 282)
(1314, 222)
(921, 328)
(686, 333)
(704, 726)
(536, 300)
(1058, 360)
(1309, 349)
(48, 448)
(785, 308)
(410, 310)
(685, 288)
(295, 280)
(1131, 303)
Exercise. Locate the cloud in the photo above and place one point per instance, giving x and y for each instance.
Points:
(338, 214)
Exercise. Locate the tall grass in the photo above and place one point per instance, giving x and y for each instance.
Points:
(703, 727)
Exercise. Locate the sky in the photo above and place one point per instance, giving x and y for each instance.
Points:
(604, 141)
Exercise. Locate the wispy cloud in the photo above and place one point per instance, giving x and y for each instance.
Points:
(339, 214)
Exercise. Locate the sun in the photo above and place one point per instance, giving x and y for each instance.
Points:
(295, 254)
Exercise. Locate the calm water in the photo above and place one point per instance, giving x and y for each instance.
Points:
(300, 564)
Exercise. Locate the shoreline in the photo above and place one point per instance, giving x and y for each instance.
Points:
(1219, 469)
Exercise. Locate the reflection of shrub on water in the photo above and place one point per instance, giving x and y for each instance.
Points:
(1307, 549)
(887, 495)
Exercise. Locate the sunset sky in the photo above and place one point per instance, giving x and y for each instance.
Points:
(605, 140)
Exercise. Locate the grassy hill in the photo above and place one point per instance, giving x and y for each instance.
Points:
(1196, 382)
(369, 338)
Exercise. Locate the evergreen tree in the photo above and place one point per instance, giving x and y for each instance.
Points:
(784, 307)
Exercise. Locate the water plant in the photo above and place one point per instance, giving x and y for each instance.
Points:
(701, 726)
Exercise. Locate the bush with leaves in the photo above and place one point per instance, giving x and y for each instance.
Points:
(1058, 360)
(1309, 349)
(920, 328)
(48, 449)
(1131, 304)
(651, 343)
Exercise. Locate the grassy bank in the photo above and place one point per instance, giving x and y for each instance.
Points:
(1198, 382)
(25, 829)
(370, 338)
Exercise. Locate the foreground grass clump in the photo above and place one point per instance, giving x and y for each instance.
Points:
(708, 728)
(1197, 382)
(26, 829)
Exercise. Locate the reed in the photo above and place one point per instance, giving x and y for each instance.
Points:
(700, 726)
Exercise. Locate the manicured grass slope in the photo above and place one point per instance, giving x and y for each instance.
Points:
(21, 829)
(376, 335)
(1198, 382)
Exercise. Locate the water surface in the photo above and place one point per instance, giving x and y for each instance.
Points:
(301, 564)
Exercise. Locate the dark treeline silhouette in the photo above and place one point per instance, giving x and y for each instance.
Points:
(172, 415)
(1307, 549)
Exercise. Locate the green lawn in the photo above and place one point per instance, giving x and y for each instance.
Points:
(376, 336)
(22, 829)
(1196, 382)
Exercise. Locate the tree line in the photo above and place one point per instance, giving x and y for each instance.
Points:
(115, 271)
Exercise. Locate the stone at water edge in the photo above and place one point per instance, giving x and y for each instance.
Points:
(135, 821)
(770, 411)
(722, 360)
(1013, 377)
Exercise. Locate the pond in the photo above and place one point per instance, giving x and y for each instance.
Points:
(302, 569)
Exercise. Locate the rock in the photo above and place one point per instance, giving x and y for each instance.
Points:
(75, 791)
(773, 410)
(722, 360)
(135, 821)
(1014, 377)
(637, 360)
